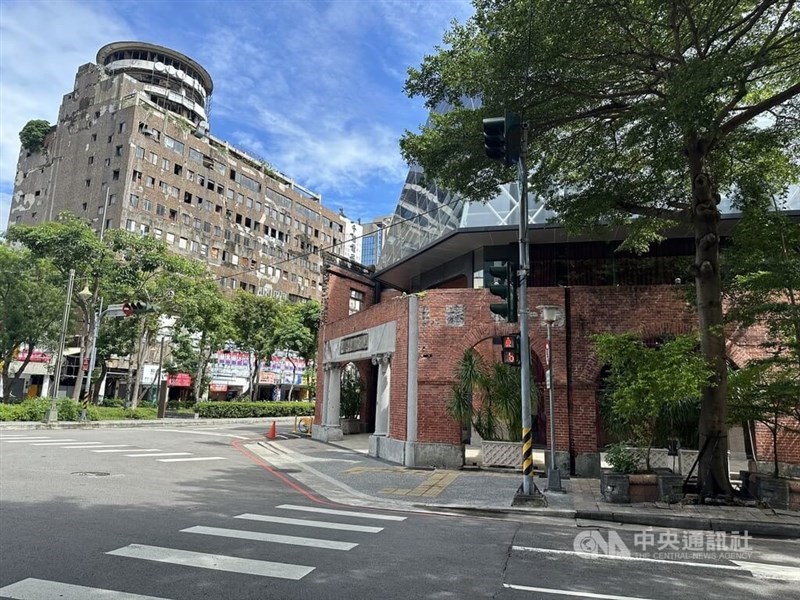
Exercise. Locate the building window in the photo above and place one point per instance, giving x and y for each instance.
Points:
(118, 151)
(91, 160)
(139, 152)
(134, 200)
(130, 225)
(160, 210)
(115, 175)
(182, 243)
(170, 238)
(356, 301)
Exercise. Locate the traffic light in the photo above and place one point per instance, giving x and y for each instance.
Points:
(510, 350)
(136, 308)
(494, 137)
(502, 138)
(505, 288)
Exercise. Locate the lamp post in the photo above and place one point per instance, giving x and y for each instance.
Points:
(550, 315)
(52, 413)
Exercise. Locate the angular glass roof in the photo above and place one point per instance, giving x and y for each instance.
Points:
(426, 212)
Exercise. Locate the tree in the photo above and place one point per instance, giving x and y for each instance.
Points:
(31, 305)
(763, 288)
(203, 326)
(254, 321)
(639, 112)
(69, 243)
(294, 333)
(651, 387)
(33, 134)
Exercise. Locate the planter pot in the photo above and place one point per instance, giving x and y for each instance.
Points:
(776, 492)
(502, 454)
(350, 426)
(643, 488)
(615, 487)
(670, 486)
(620, 488)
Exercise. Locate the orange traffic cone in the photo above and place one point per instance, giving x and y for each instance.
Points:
(272, 432)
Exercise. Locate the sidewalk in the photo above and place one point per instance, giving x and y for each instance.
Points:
(343, 472)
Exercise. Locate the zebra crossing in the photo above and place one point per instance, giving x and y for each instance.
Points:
(334, 519)
(126, 450)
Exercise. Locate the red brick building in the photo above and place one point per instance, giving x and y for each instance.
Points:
(405, 344)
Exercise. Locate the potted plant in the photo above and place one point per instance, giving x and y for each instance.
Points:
(486, 397)
(651, 387)
(350, 401)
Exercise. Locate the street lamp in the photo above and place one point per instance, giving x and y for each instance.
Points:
(52, 413)
(550, 315)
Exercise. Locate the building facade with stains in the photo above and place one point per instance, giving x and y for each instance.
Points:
(132, 149)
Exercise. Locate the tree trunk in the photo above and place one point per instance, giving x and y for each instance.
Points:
(140, 351)
(10, 383)
(291, 385)
(253, 377)
(76, 391)
(713, 478)
(95, 391)
(774, 431)
(6, 391)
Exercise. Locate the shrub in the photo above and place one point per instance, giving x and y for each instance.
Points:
(622, 458)
(35, 409)
(115, 402)
(238, 410)
(33, 134)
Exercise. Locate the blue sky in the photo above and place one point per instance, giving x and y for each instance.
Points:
(313, 87)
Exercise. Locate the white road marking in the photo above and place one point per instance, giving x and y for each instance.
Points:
(162, 454)
(346, 513)
(24, 437)
(65, 443)
(30, 440)
(214, 561)
(308, 523)
(130, 450)
(230, 435)
(591, 556)
(190, 459)
(104, 446)
(39, 589)
(770, 571)
(270, 537)
(527, 588)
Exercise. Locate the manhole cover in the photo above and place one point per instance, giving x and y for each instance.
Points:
(91, 473)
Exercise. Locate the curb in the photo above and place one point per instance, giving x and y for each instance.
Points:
(760, 528)
(154, 423)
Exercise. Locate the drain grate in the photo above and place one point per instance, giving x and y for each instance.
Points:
(91, 473)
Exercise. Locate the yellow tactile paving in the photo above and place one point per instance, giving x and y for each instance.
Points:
(430, 488)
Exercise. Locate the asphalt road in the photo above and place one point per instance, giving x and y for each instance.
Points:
(142, 514)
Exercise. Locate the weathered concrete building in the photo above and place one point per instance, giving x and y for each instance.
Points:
(131, 149)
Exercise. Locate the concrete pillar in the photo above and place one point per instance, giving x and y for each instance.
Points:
(410, 459)
(330, 430)
(383, 393)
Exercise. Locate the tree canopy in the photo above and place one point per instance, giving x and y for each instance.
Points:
(640, 113)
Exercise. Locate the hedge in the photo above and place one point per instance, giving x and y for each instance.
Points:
(229, 410)
(35, 409)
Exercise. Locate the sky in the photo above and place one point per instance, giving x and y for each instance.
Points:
(313, 87)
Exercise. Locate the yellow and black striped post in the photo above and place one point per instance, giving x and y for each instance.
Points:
(527, 452)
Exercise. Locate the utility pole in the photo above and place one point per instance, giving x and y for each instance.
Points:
(52, 413)
(522, 301)
(506, 139)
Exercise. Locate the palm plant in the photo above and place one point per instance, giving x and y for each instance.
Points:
(497, 387)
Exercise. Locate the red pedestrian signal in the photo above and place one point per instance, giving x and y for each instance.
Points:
(127, 309)
(510, 350)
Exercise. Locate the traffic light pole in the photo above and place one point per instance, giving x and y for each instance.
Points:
(528, 487)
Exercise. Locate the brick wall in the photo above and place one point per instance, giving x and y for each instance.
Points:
(453, 320)
(788, 443)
